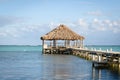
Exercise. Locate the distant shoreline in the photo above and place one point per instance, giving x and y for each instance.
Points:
(41, 45)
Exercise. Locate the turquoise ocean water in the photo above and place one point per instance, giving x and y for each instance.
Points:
(28, 63)
(39, 47)
(20, 48)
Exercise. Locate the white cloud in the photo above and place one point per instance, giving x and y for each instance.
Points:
(82, 23)
(30, 28)
(3, 34)
(101, 28)
(115, 23)
(107, 23)
(81, 26)
(95, 13)
(115, 26)
(9, 20)
(52, 25)
(13, 32)
(9, 33)
(96, 21)
(99, 25)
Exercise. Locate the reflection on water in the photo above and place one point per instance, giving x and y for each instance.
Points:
(96, 73)
(34, 66)
(64, 67)
(105, 74)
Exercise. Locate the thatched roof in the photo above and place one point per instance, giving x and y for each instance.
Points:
(62, 32)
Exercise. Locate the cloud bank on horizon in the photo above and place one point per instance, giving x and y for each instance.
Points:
(22, 22)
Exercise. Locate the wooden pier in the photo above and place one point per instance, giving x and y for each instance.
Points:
(99, 57)
(62, 40)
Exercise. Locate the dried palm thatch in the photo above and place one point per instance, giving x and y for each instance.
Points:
(62, 32)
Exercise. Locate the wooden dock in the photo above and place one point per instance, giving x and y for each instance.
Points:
(63, 40)
(98, 57)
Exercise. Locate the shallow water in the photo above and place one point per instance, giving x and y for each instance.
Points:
(32, 65)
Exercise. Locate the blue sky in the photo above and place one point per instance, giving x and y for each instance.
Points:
(23, 22)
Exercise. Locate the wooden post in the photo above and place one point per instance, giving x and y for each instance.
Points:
(119, 62)
(76, 43)
(68, 43)
(79, 44)
(93, 57)
(43, 46)
(119, 59)
(99, 58)
(65, 43)
(82, 43)
(54, 43)
(50, 44)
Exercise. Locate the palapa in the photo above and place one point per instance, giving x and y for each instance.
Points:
(62, 32)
